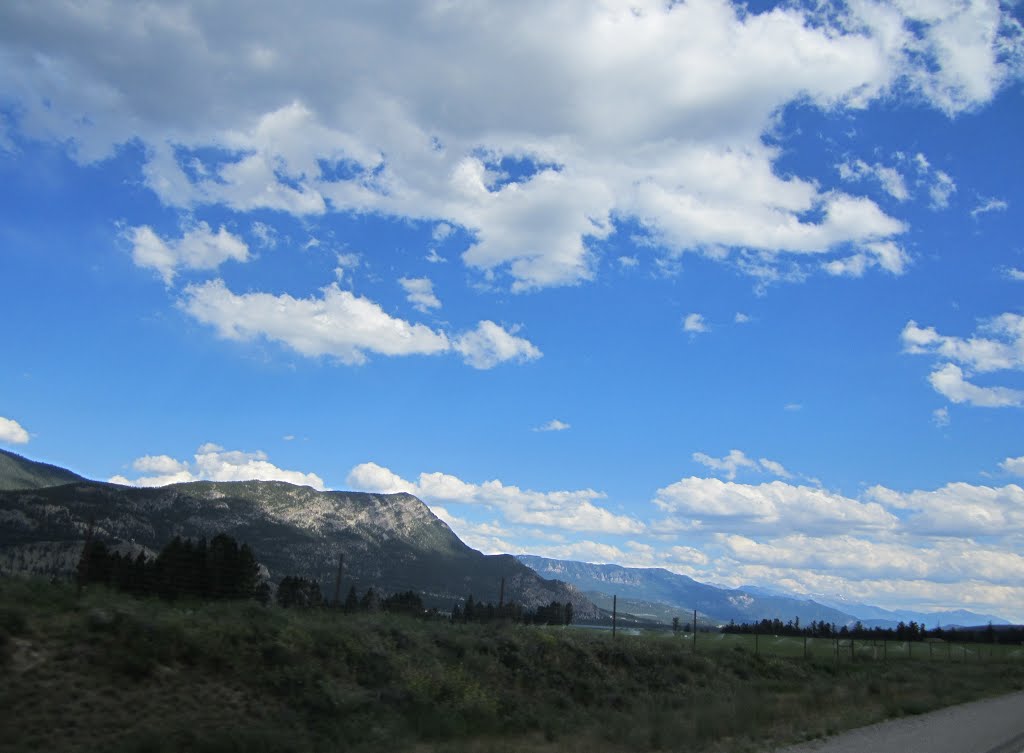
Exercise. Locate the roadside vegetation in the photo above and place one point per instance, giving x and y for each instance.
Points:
(103, 670)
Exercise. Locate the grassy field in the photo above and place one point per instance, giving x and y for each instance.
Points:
(108, 672)
(862, 650)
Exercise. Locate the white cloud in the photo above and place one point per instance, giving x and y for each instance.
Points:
(628, 262)
(213, 463)
(890, 178)
(344, 326)
(855, 558)
(940, 417)
(959, 510)
(265, 234)
(441, 231)
(1012, 273)
(490, 344)
(885, 254)
(793, 406)
(949, 381)
(656, 116)
(737, 460)
(990, 205)
(741, 318)
(554, 425)
(11, 432)
(420, 293)
(941, 189)
(569, 510)
(726, 506)
(346, 263)
(199, 248)
(694, 323)
(998, 345)
(1013, 465)
(338, 324)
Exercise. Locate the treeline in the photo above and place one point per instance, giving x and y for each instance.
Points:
(301, 593)
(218, 569)
(904, 631)
(294, 592)
(224, 569)
(555, 613)
(911, 631)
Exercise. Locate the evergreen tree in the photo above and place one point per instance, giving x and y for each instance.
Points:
(351, 601)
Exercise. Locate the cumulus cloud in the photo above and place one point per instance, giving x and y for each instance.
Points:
(885, 254)
(490, 344)
(997, 345)
(213, 463)
(949, 381)
(1012, 273)
(959, 509)
(198, 248)
(741, 318)
(940, 417)
(420, 293)
(952, 546)
(343, 325)
(11, 432)
(853, 558)
(1013, 465)
(569, 510)
(554, 425)
(737, 460)
(694, 323)
(890, 178)
(534, 154)
(715, 505)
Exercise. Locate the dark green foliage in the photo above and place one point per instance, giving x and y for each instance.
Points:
(294, 592)
(184, 568)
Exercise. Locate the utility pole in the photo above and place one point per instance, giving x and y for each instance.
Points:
(694, 631)
(83, 563)
(337, 582)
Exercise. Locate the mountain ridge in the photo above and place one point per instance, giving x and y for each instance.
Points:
(19, 472)
(392, 542)
(745, 604)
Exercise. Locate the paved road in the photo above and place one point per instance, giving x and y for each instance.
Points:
(991, 726)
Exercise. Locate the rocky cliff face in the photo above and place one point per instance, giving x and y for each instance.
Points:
(392, 542)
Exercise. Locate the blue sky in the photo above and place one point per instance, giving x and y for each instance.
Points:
(730, 290)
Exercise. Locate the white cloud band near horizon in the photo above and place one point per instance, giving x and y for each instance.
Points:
(212, 462)
(896, 549)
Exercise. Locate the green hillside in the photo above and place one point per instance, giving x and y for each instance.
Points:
(17, 472)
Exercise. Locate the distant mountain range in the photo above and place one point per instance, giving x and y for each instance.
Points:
(658, 594)
(392, 542)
